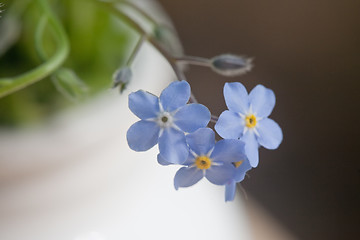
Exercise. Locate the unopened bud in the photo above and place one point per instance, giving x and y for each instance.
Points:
(121, 78)
(231, 65)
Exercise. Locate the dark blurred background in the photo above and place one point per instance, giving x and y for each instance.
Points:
(308, 53)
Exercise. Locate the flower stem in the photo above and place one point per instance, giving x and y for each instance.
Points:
(214, 119)
(145, 36)
(13, 84)
(170, 59)
(139, 10)
(136, 50)
(38, 38)
(194, 60)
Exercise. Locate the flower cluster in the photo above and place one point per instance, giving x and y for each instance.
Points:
(181, 132)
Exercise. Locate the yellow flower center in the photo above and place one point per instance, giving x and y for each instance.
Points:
(250, 121)
(237, 164)
(203, 162)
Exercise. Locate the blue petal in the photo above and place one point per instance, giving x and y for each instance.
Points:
(236, 97)
(251, 147)
(162, 161)
(201, 141)
(228, 150)
(220, 175)
(270, 134)
(189, 161)
(142, 135)
(176, 95)
(262, 101)
(173, 147)
(230, 125)
(186, 177)
(230, 189)
(144, 104)
(192, 117)
(240, 171)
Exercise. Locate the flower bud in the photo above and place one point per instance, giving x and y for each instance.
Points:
(121, 78)
(231, 65)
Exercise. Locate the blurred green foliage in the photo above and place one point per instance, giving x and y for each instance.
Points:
(100, 43)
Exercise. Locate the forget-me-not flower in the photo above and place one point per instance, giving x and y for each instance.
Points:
(247, 119)
(164, 120)
(242, 166)
(209, 159)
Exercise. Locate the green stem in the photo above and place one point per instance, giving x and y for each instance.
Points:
(134, 25)
(139, 10)
(136, 50)
(45, 69)
(39, 36)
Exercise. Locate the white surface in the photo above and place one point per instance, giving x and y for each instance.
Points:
(77, 179)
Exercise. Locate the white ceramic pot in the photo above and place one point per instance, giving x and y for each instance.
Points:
(77, 179)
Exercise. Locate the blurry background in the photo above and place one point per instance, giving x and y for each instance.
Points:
(100, 43)
(308, 53)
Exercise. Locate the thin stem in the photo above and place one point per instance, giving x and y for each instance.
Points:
(194, 60)
(170, 59)
(45, 69)
(136, 50)
(193, 98)
(214, 119)
(38, 38)
(139, 10)
(143, 13)
(242, 189)
(149, 38)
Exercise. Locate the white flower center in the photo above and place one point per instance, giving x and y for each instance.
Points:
(165, 119)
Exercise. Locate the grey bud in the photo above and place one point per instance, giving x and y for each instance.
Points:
(121, 78)
(231, 65)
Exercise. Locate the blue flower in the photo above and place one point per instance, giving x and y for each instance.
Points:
(209, 159)
(247, 119)
(164, 120)
(242, 166)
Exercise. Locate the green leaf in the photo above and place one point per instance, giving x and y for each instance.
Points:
(69, 84)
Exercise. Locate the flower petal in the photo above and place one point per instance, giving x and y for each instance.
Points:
(251, 147)
(270, 134)
(192, 117)
(236, 97)
(189, 161)
(262, 101)
(173, 147)
(240, 171)
(143, 104)
(201, 141)
(142, 135)
(230, 125)
(187, 176)
(220, 175)
(162, 161)
(230, 189)
(176, 95)
(229, 151)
